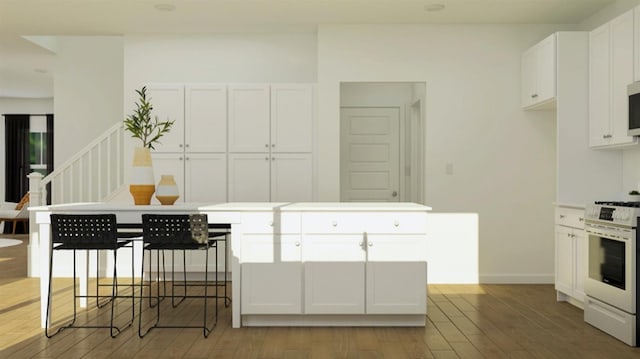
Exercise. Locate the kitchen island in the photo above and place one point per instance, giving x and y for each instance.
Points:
(301, 263)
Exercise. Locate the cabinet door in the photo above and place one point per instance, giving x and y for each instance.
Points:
(564, 260)
(168, 104)
(546, 69)
(249, 118)
(599, 86)
(334, 268)
(249, 177)
(169, 164)
(291, 118)
(581, 263)
(528, 74)
(291, 178)
(205, 118)
(621, 76)
(271, 274)
(205, 177)
(396, 277)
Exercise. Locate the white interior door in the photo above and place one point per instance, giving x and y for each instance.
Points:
(370, 154)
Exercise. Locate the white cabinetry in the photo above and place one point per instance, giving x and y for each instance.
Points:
(194, 151)
(611, 69)
(328, 263)
(271, 264)
(270, 142)
(539, 74)
(357, 263)
(571, 256)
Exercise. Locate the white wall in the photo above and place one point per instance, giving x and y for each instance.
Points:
(502, 157)
(88, 91)
(18, 106)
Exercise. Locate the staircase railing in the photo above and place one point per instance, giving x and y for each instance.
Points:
(93, 174)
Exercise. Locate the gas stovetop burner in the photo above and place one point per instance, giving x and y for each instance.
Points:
(619, 203)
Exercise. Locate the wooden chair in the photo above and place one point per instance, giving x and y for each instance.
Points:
(15, 212)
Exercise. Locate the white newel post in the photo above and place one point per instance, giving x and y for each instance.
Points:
(35, 199)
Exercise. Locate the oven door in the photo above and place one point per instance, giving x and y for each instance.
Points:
(611, 258)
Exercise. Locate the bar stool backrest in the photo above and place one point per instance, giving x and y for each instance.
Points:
(166, 229)
(84, 229)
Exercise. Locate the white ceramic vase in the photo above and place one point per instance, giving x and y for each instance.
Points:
(167, 190)
(142, 182)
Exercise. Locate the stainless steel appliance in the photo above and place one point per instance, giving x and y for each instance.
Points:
(611, 302)
(633, 91)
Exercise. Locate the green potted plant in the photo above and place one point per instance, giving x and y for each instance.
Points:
(141, 126)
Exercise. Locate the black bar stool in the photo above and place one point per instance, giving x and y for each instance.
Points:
(93, 232)
(177, 233)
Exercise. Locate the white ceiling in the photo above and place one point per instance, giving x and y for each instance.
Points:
(21, 62)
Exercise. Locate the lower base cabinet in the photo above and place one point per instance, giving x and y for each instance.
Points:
(334, 273)
(571, 255)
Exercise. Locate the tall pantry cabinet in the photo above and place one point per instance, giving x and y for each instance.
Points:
(194, 151)
(270, 142)
(236, 142)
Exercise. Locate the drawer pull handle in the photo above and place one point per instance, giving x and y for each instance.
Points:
(561, 216)
(334, 223)
(580, 219)
(396, 223)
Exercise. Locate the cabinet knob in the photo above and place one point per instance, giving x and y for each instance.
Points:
(370, 244)
(297, 244)
(187, 145)
(534, 95)
(186, 158)
(180, 158)
(266, 158)
(334, 223)
(266, 145)
(273, 158)
(396, 223)
(273, 145)
(580, 219)
(561, 216)
(270, 223)
(180, 145)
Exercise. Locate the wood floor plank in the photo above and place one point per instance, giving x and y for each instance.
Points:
(463, 321)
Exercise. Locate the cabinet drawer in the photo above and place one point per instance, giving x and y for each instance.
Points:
(270, 222)
(364, 222)
(570, 217)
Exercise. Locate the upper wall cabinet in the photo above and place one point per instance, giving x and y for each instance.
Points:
(270, 118)
(291, 117)
(200, 115)
(539, 75)
(249, 118)
(168, 104)
(610, 71)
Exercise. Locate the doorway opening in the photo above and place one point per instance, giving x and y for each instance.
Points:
(382, 132)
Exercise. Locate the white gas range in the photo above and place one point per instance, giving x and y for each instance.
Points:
(611, 302)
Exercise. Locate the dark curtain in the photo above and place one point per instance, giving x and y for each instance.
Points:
(49, 152)
(17, 157)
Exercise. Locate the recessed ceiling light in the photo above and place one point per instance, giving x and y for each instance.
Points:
(434, 7)
(40, 71)
(164, 7)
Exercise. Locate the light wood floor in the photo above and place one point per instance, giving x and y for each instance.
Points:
(463, 321)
